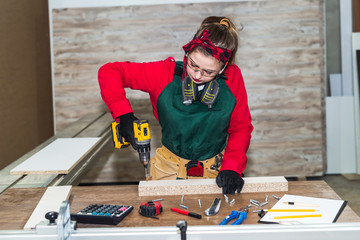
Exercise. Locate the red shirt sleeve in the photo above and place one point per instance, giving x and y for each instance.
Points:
(240, 127)
(151, 77)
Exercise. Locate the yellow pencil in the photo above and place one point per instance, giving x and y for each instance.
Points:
(290, 210)
(298, 216)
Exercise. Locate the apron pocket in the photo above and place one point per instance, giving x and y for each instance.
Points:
(209, 173)
(163, 169)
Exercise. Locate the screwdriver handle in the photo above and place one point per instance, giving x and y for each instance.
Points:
(233, 215)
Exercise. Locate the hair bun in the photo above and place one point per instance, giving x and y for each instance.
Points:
(225, 22)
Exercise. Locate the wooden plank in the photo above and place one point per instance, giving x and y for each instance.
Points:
(209, 186)
(59, 157)
(50, 201)
(87, 162)
(7, 180)
(99, 127)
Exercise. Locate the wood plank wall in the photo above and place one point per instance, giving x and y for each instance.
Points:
(281, 56)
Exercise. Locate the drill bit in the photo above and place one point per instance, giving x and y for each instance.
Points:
(147, 172)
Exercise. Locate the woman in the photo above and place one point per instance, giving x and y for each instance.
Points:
(201, 105)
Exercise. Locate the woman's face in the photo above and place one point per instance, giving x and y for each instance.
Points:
(202, 68)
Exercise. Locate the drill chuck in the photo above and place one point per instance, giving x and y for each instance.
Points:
(144, 157)
(144, 154)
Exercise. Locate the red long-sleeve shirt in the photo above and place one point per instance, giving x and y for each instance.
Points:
(153, 77)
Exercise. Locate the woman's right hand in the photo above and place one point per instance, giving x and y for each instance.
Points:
(126, 128)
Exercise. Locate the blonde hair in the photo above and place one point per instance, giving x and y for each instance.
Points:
(223, 33)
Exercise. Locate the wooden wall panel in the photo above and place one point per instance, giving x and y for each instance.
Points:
(281, 56)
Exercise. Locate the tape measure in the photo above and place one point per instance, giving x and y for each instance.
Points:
(150, 209)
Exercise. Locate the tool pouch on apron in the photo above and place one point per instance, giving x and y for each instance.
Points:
(165, 165)
(195, 168)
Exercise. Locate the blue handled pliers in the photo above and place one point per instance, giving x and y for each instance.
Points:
(240, 215)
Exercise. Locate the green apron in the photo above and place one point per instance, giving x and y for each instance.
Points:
(194, 132)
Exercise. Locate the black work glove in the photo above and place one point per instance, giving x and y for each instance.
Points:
(230, 181)
(126, 128)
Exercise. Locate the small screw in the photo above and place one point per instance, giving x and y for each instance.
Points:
(263, 204)
(275, 197)
(226, 198)
(183, 206)
(199, 202)
(182, 198)
(232, 202)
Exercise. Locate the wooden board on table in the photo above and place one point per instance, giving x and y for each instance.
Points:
(209, 186)
(58, 157)
(50, 201)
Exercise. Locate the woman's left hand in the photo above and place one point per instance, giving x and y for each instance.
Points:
(229, 181)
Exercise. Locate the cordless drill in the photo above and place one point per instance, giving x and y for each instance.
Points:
(142, 140)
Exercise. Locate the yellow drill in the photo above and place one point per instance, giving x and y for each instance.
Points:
(142, 139)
